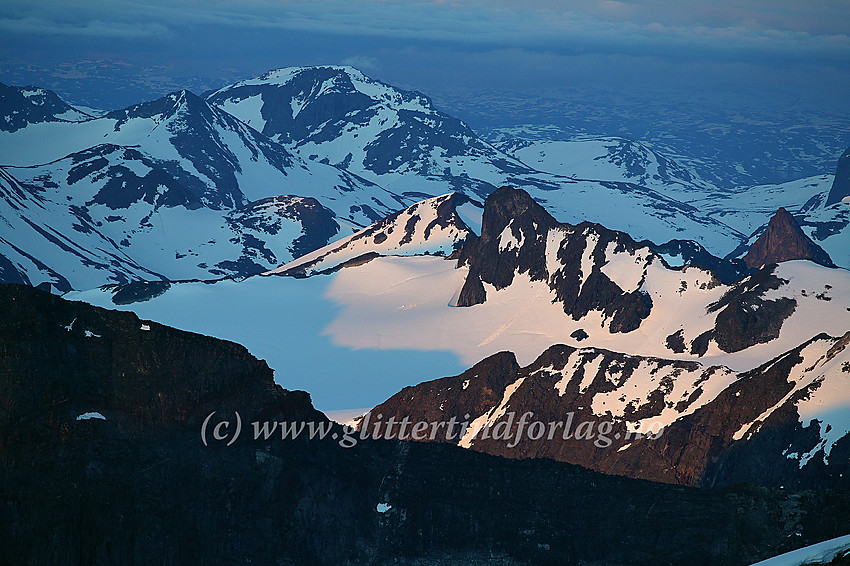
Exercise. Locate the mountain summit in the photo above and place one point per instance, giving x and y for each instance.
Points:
(20, 106)
(784, 240)
(841, 184)
(398, 140)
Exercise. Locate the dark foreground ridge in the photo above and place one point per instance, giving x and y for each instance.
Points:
(139, 487)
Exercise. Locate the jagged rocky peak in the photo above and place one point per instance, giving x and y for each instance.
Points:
(435, 226)
(784, 240)
(587, 266)
(841, 185)
(507, 204)
(512, 222)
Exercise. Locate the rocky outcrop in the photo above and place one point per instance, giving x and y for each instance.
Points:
(745, 317)
(266, 216)
(138, 486)
(518, 237)
(841, 185)
(719, 428)
(689, 252)
(21, 106)
(784, 240)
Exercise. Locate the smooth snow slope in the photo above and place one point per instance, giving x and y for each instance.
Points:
(820, 553)
(356, 336)
(283, 321)
(407, 303)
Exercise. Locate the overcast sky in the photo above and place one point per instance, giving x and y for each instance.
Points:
(525, 46)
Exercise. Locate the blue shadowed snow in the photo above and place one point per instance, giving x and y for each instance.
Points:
(281, 320)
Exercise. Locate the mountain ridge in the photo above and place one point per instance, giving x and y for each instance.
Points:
(672, 421)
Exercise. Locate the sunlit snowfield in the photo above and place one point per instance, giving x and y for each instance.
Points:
(355, 337)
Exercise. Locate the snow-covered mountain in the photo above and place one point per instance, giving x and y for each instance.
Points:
(173, 189)
(113, 214)
(394, 137)
(749, 389)
(232, 164)
(321, 132)
(22, 106)
(610, 159)
(398, 140)
(783, 423)
(609, 285)
(437, 226)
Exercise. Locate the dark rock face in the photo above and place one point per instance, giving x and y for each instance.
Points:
(11, 274)
(784, 241)
(511, 214)
(318, 223)
(139, 291)
(841, 184)
(745, 318)
(715, 441)
(492, 265)
(140, 487)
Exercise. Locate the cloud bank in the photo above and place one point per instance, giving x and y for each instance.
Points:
(741, 27)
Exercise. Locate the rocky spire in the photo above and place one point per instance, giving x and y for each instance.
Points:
(841, 184)
(784, 240)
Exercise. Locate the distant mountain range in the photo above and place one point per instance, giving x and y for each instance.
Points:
(171, 189)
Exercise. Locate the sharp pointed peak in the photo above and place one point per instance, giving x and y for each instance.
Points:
(841, 185)
(784, 240)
